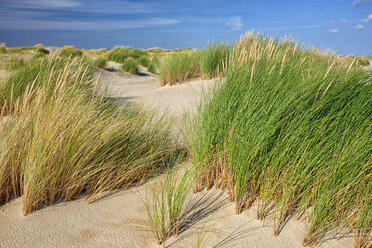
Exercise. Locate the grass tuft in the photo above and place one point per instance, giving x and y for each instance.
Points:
(129, 65)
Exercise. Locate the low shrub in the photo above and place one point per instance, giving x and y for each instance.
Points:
(129, 65)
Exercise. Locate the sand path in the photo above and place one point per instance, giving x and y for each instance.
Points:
(119, 218)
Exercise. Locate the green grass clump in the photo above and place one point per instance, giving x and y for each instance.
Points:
(120, 54)
(70, 51)
(129, 65)
(61, 140)
(151, 68)
(144, 61)
(2, 48)
(214, 60)
(179, 67)
(165, 204)
(100, 62)
(292, 127)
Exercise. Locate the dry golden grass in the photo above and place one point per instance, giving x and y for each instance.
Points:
(64, 141)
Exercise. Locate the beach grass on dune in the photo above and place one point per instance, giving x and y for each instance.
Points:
(120, 54)
(179, 67)
(61, 140)
(214, 59)
(291, 127)
(130, 65)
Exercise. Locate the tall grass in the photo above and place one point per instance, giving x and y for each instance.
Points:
(42, 72)
(179, 67)
(61, 141)
(290, 126)
(214, 60)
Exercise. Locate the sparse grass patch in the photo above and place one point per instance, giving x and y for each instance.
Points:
(165, 204)
(15, 63)
(129, 65)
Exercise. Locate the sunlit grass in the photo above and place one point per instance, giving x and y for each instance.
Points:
(292, 127)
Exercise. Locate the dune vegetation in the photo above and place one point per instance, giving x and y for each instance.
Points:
(206, 63)
(290, 127)
(61, 139)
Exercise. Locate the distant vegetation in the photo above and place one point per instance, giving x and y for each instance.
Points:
(120, 54)
(100, 62)
(207, 63)
(70, 51)
(129, 65)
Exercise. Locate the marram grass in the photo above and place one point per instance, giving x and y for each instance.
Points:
(291, 127)
(61, 140)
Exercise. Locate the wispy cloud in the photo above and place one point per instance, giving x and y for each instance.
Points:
(95, 6)
(359, 27)
(367, 10)
(344, 21)
(235, 23)
(16, 24)
(333, 30)
(359, 2)
(368, 19)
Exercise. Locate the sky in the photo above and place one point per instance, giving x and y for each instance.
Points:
(343, 26)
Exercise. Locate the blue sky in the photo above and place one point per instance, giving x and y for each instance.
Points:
(345, 26)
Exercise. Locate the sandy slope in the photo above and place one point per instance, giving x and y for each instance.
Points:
(119, 219)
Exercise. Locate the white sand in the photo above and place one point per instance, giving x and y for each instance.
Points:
(119, 219)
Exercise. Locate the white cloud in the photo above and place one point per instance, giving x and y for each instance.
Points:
(369, 19)
(359, 27)
(235, 23)
(16, 24)
(333, 30)
(95, 6)
(359, 2)
(331, 22)
(344, 21)
(367, 10)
